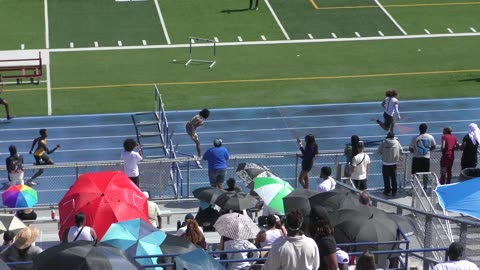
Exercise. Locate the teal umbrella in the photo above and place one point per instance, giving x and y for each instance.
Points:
(272, 190)
(197, 259)
(137, 238)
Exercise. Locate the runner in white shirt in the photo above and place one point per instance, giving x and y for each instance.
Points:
(390, 104)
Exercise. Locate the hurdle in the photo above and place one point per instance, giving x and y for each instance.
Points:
(192, 41)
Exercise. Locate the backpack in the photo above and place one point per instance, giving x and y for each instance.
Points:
(16, 164)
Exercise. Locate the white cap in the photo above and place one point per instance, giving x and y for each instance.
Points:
(147, 194)
(342, 257)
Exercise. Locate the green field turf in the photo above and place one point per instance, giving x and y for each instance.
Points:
(105, 81)
(105, 21)
(224, 19)
(22, 22)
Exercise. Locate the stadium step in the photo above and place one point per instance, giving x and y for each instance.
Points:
(150, 134)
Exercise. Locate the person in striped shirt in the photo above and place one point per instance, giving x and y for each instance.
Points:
(192, 125)
(390, 103)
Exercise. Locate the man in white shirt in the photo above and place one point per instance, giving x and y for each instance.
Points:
(455, 254)
(326, 183)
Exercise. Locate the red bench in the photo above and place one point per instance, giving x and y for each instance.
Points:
(19, 69)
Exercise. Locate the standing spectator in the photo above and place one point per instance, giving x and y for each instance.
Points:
(23, 250)
(449, 145)
(391, 152)
(326, 183)
(14, 166)
(351, 150)
(79, 231)
(420, 146)
(296, 251)
(194, 123)
(217, 157)
(455, 254)
(366, 261)
(153, 212)
(308, 157)
(194, 234)
(41, 154)
(131, 159)
(360, 167)
(232, 185)
(26, 214)
(4, 101)
(327, 246)
(8, 238)
(390, 104)
(238, 244)
(470, 146)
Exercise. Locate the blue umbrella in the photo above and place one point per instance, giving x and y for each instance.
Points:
(197, 259)
(461, 197)
(137, 238)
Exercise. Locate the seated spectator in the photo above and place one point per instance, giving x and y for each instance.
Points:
(8, 238)
(232, 244)
(455, 254)
(183, 226)
(327, 246)
(153, 212)
(23, 250)
(295, 251)
(79, 231)
(272, 233)
(194, 234)
(26, 214)
(364, 198)
(342, 259)
(326, 183)
(207, 217)
(232, 185)
(366, 261)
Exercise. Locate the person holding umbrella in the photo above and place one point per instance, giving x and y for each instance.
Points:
(23, 250)
(79, 231)
(308, 156)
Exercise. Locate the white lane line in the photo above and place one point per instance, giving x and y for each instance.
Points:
(144, 42)
(162, 22)
(310, 36)
(473, 29)
(263, 37)
(95, 43)
(450, 30)
(119, 43)
(380, 33)
(49, 86)
(240, 38)
(426, 31)
(269, 42)
(277, 20)
(333, 35)
(357, 34)
(391, 17)
(47, 31)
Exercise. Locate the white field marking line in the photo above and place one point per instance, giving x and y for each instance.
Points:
(49, 86)
(119, 43)
(381, 34)
(311, 36)
(426, 31)
(240, 39)
(95, 43)
(450, 30)
(262, 37)
(333, 35)
(47, 33)
(473, 29)
(78, 138)
(72, 45)
(22, 46)
(68, 127)
(326, 116)
(269, 42)
(390, 17)
(162, 22)
(216, 39)
(144, 42)
(277, 20)
(357, 34)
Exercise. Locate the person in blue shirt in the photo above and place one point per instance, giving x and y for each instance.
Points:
(217, 157)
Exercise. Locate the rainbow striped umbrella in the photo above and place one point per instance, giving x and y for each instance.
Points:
(20, 196)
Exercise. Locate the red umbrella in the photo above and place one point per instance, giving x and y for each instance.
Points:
(105, 198)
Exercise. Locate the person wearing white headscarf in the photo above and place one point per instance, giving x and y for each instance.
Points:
(470, 146)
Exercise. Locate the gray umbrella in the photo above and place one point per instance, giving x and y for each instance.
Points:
(247, 171)
(236, 201)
